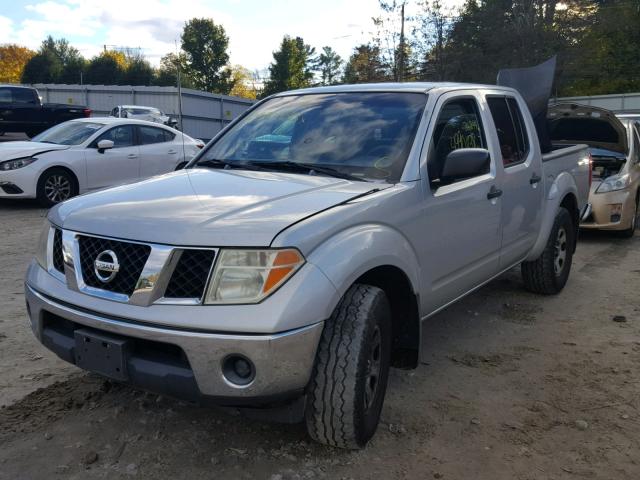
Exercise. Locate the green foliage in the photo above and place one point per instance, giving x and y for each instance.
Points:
(206, 59)
(329, 66)
(364, 66)
(43, 67)
(105, 69)
(291, 67)
(138, 72)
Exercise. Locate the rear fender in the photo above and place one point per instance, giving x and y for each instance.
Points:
(562, 185)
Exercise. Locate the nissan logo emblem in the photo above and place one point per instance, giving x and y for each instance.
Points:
(106, 266)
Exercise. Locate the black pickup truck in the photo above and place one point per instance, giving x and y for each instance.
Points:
(21, 110)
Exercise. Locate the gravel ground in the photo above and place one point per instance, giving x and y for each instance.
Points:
(512, 386)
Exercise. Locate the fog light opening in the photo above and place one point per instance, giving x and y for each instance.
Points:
(238, 370)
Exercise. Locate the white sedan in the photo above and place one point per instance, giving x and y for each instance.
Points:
(88, 154)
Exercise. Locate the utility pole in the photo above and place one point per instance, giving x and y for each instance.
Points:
(401, 53)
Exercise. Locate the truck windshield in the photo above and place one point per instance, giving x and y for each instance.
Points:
(366, 136)
(68, 133)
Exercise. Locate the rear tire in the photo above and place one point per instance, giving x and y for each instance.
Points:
(349, 381)
(630, 232)
(56, 185)
(549, 273)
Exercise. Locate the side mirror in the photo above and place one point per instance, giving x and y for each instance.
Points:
(104, 145)
(465, 163)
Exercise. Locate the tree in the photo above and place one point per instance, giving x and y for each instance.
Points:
(44, 67)
(73, 64)
(364, 66)
(108, 68)
(329, 66)
(138, 72)
(394, 46)
(13, 59)
(290, 68)
(205, 45)
(434, 23)
(244, 84)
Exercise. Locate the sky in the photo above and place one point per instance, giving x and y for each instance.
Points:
(255, 28)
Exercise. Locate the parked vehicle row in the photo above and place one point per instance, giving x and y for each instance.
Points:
(293, 261)
(83, 155)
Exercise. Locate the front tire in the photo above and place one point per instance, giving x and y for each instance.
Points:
(549, 273)
(349, 381)
(56, 185)
(630, 232)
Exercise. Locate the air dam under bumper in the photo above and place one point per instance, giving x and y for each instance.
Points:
(283, 362)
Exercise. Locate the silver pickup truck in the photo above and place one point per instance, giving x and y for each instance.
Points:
(294, 260)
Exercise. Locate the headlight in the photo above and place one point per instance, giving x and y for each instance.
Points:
(17, 163)
(613, 183)
(248, 276)
(43, 246)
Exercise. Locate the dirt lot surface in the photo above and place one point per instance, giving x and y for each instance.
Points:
(512, 386)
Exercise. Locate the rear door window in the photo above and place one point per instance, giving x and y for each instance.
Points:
(151, 135)
(514, 144)
(458, 126)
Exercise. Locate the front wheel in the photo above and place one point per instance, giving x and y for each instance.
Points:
(352, 366)
(54, 186)
(549, 273)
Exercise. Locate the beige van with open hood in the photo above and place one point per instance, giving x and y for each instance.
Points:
(615, 154)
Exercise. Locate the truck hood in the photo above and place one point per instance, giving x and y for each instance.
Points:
(571, 123)
(203, 207)
(13, 150)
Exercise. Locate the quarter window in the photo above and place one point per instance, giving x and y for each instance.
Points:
(512, 135)
(459, 126)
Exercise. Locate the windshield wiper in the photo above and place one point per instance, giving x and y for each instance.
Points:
(309, 168)
(216, 163)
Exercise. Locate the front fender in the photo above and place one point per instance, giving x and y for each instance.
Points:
(562, 185)
(346, 256)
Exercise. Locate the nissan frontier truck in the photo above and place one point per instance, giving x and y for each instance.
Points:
(295, 259)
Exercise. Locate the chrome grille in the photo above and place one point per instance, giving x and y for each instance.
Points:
(131, 257)
(58, 259)
(190, 275)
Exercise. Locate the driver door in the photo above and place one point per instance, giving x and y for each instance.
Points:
(461, 238)
(113, 166)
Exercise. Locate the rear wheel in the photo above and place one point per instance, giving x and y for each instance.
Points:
(629, 232)
(56, 185)
(350, 375)
(549, 273)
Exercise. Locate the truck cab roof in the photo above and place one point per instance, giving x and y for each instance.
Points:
(409, 87)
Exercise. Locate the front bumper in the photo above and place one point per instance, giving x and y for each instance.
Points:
(18, 183)
(601, 210)
(283, 361)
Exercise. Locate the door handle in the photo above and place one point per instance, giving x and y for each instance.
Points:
(172, 152)
(132, 155)
(535, 178)
(494, 193)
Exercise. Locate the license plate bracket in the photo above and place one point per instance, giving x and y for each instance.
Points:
(102, 353)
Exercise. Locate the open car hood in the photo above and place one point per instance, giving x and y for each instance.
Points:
(572, 123)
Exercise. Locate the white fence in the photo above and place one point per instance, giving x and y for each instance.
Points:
(203, 114)
(621, 103)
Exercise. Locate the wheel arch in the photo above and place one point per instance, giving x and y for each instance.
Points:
(381, 256)
(70, 171)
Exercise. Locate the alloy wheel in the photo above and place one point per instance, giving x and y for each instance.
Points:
(560, 256)
(372, 375)
(57, 188)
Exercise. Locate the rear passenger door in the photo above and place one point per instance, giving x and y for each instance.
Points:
(521, 181)
(158, 153)
(460, 246)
